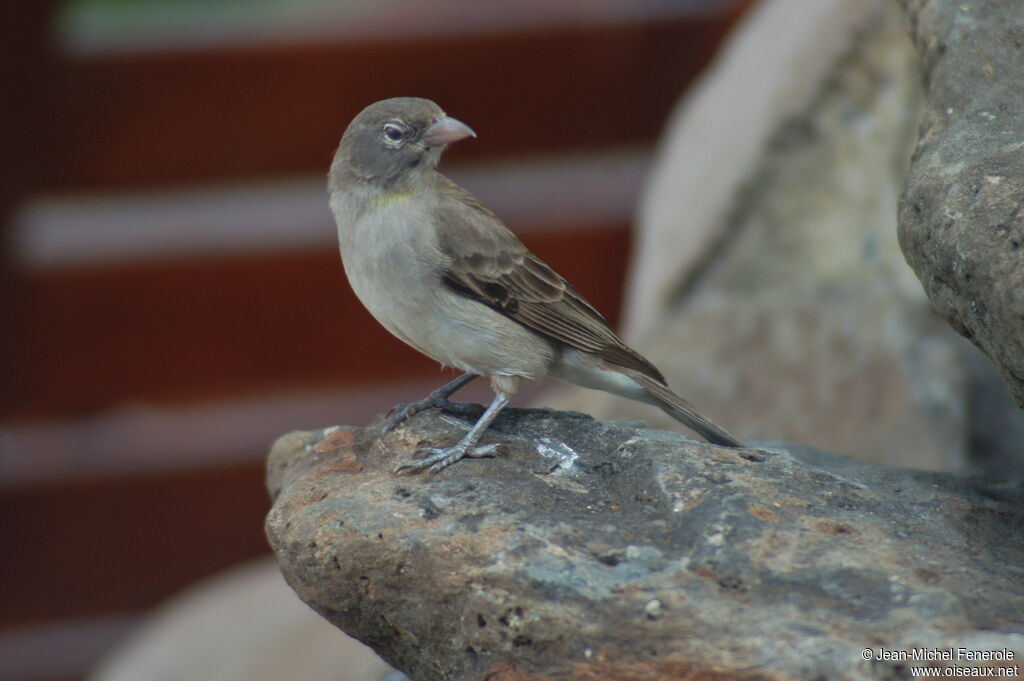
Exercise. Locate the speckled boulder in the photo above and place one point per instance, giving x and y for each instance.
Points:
(594, 550)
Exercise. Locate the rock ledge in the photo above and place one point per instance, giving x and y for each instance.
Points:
(608, 550)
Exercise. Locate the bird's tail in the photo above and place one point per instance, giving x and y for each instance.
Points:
(678, 408)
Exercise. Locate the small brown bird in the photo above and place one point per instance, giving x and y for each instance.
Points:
(442, 273)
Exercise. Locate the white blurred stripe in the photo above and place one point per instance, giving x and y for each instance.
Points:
(293, 215)
(146, 438)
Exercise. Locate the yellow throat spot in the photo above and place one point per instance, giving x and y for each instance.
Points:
(388, 199)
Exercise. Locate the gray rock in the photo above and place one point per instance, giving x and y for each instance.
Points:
(961, 224)
(768, 283)
(804, 323)
(595, 550)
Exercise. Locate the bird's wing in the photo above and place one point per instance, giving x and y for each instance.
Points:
(490, 264)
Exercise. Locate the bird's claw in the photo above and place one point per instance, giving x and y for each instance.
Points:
(402, 412)
(436, 459)
(396, 415)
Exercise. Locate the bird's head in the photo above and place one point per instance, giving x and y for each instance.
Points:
(395, 142)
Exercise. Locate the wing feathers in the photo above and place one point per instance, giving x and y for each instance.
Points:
(489, 263)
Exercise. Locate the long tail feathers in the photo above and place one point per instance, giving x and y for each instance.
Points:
(684, 412)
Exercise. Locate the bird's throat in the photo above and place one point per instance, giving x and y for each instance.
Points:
(389, 198)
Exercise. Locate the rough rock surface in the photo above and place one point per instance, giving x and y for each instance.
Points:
(595, 550)
(962, 211)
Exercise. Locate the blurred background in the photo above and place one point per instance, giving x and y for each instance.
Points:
(170, 289)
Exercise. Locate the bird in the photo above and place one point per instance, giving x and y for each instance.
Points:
(441, 272)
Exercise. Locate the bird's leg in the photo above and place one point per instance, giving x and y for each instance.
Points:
(439, 458)
(437, 399)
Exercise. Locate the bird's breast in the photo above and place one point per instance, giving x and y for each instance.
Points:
(392, 264)
(395, 267)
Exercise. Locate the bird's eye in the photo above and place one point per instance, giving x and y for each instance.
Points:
(393, 132)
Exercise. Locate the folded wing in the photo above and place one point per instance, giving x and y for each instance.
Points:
(490, 264)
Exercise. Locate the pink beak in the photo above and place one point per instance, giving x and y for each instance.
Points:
(446, 130)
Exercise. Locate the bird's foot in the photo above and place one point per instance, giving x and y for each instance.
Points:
(435, 459)
(401, 412)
